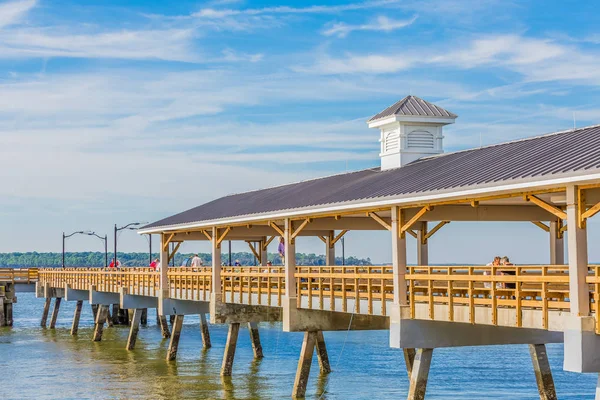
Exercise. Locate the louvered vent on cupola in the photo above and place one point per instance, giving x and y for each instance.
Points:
(410, 129)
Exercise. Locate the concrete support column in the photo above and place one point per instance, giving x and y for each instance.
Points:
(99, 322)
(578, 256)
(144, 317)
(303, 370)
(322, 355)
(409, 359)
(216, 264)
(399, 258)
(419, 374)
(230, 346)
(290, 261)
(2, 312)
(8, 308)
(54, 317)
(94, 310)
(164, 326)
(543, 373)
(330, 249)
(175, 335)
(134, 329)
(264, 256)
(557, 246)
(597, 396)
(116, 310)
(255, 340)
(76, 316)
(204, 332)
(422, 250)
(164, 292)
(44, 320)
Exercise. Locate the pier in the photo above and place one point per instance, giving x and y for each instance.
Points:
(551, 181)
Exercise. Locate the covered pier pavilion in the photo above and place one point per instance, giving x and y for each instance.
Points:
(552, 181)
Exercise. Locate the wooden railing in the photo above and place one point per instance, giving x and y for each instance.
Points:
(18, 275)
(258, 285)
(190, 283)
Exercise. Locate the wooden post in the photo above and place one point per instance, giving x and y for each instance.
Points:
(99, 322)
(330, 249)
(422, 247)
(144, 317)
(204, 332)
(175, 335)
(76, 316)
(322, 355)
(164, 327)
(409, 359)
(109, 320)
(45, 312)
(134, 329)
(303, 370)
(216, 264)
(54, 316)
(230, 346)
(419, 374)
(579, 292)
(116, 310)
(543, 373)
(8, 314)
(255, 339)
(399, 258)
(557, 247)
(95, 310)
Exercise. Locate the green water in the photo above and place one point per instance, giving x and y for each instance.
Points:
(41, 363)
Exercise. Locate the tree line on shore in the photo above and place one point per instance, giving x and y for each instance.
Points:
(97, 259)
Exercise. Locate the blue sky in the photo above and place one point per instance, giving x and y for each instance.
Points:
(115, 111)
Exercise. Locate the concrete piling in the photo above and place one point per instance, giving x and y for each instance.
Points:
(303, 370)
(2, 312)
(101, 318)
(8, 313)
(322, 355)
(164, 327)
(255, 340)
(76, 316)
(419, 374)
(55, 310)
(228, 356)
(144, 317)
(95, 310)
(175, 335)
(204, 332)
(134, 329)
(543, 373)
(44, 321)
(409, 358)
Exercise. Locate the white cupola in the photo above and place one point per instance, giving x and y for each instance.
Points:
(410, 129)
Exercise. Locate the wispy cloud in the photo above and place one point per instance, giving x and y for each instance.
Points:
(315, 9)
(381, 24)
(13, 12)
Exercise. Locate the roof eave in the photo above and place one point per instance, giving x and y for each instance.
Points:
(410, 118)
(448, 194)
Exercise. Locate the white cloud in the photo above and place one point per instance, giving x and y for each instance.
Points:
(381, 24)
(13, 12)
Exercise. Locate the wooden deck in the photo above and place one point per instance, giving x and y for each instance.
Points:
(434, 292)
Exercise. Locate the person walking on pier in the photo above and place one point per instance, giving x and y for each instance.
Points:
(154, 264)
(281, 249)
(196, 261)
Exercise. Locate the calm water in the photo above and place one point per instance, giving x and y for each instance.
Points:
(45, 364)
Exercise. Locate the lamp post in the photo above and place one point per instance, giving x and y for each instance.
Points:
(131, 226)
(63, 244)
(105, 239)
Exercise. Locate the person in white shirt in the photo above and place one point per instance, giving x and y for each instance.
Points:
(196, 261)
(494, 263)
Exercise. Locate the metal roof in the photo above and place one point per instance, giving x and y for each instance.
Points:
(553, 155)
(414, 106)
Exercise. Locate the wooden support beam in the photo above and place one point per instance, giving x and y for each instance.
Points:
(415, 218)
(174, 251)
(541, 225)
(255, 340)
(222, 237)
(266, 244)
(409, 359)
(590, 212)
(230, 346)
(551, 208)
(166, 242)
(474, 203)
(204, 332)
(412, 233)
(299, 229)
(434, 230)
(205, 232)
(54, 316)
(276, 228)
(164, 327)
(99, 323)
(175, 335)
(76, 317)
(419, 374)
(250, 244)
(303, 370)
(581, 221)
(323, 239)
(339, 236)
(379, 220)
(134, 329)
